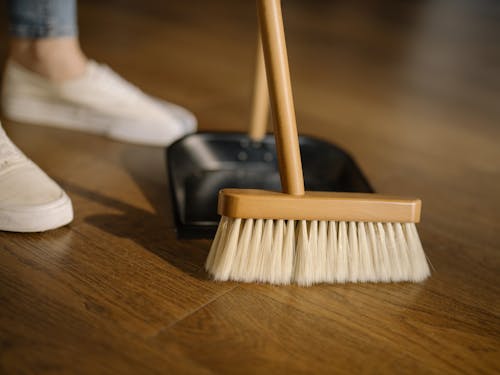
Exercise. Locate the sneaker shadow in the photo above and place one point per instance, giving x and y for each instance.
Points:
(153, 231)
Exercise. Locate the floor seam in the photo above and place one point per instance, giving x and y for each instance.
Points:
(188, 314)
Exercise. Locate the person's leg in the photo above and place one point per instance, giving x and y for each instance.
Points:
(44, 38)
(49, 81)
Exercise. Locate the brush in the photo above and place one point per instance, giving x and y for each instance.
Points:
(302, 237)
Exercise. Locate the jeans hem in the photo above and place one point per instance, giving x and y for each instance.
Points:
(46, 31)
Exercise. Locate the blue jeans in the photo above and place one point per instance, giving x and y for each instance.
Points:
(42, 18)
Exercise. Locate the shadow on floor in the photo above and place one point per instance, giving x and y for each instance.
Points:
(155, 231)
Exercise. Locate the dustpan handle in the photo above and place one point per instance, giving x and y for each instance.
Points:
(280, 92)
(260, 100)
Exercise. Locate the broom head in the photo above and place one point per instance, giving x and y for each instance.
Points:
(278, 238)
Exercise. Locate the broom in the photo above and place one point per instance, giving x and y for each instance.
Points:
(309, 237)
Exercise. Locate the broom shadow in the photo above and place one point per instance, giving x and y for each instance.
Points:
(155, 231)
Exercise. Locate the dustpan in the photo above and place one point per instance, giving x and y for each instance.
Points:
(199, 165)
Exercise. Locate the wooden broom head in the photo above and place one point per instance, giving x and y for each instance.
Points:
(365, 207)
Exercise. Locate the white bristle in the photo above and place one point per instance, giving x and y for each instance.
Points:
(353, 255)
(366, 268)
(240, 264)
(331, 252)
(313, 250)
(264, 271)
(321, 271)
(255, 253)
(418, 260)
(342, 258)
(223, 262)
(303, 256)
(274, 268)
(398, 265)
(215, 244)
(384, 269)
(288, 253)
(403, 250)
(381, 273)
(306, 253)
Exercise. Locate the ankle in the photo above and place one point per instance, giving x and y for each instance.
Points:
(58, 59)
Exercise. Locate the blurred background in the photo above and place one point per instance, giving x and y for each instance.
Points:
(410, 88)
(351, 62)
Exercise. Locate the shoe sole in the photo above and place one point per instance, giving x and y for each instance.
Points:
(37, 218)
(72, 117)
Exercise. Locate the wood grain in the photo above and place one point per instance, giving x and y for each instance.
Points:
(410, 89)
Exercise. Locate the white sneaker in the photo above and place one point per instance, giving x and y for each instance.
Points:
(29, 200)
(98, 102)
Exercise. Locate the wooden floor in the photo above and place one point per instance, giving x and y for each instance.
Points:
(413, 91)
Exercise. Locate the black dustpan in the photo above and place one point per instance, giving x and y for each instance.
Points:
(199, 165)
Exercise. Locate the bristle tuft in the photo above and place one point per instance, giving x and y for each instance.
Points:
(307, 253)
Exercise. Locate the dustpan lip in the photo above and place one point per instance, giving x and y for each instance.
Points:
(269, 138)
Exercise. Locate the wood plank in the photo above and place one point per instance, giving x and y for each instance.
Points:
(269, 329)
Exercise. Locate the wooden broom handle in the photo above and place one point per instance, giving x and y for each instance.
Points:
(260, 101)
(280, 92)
